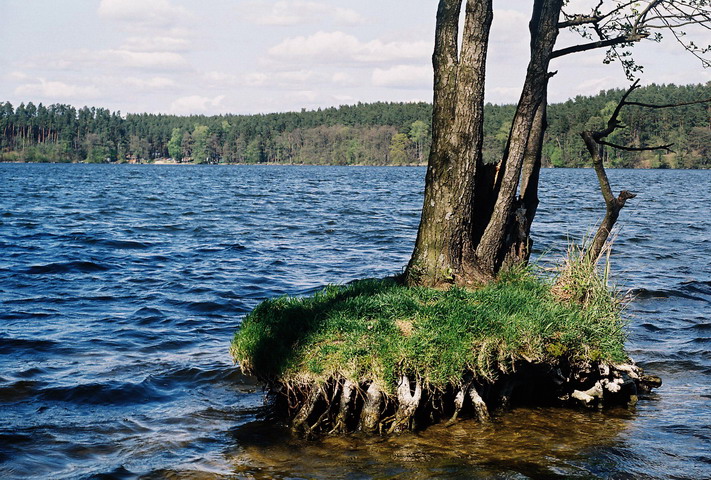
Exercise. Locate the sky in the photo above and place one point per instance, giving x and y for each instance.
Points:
(261, 56)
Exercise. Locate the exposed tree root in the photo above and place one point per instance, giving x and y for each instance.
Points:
(341, 405)
(480, 409)
(345, 407)
(407, 404)
(371, 413)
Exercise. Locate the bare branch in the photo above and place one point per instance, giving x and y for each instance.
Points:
(614, 123)
(666, 147)
(670, 105)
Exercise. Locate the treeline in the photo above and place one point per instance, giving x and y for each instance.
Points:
(362, 134)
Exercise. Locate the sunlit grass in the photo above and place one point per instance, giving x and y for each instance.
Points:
(376, 330)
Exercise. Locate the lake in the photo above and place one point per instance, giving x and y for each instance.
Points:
(121, 287)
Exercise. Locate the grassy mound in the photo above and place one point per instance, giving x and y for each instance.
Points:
(377, 330)
(377, 356)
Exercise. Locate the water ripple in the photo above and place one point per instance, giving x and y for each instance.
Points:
(121, 287)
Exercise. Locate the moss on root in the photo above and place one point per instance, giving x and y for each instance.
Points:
(378, 356)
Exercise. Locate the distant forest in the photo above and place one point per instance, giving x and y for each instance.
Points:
(362, 134)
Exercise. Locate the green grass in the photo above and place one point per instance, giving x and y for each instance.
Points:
(376, 330)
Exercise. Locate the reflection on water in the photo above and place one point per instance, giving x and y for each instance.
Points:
(525, 443)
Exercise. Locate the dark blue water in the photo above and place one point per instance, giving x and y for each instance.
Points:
(121, 287)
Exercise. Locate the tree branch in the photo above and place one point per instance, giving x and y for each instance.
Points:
(594, 143)
(666, 147)
(599, 44)
(669, 105)
(577, 20)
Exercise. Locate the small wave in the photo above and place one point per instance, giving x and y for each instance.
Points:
(148, 316)
(674, 364)
(119, 473)
(125, 244)
(652, 328)
(167, 346)
(32, 372)
(111, 393)
(645, 294)
(695, 286)
(702, 327)
(213, 307)
(14, 346)
(20, 391)
(233, 246)
(208, 249)
(22, 315)
(194, 375)
(67, 267)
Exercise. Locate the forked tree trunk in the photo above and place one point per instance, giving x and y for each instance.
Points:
(444, 251)
(468, 224)
(493, 246)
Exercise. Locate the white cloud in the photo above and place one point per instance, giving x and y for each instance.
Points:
(344, 99)
(340, 47)
(502, 95)
(160, 61)
(16, 75)
(142, 12)
(95, 61)
(594, 85)
(255, 79)
(152, 83)
(156, 44)
(195, 104)
(343, 79)
(57, 90)
(306, 95)
(290, 13)
(296, 79)
(215, 77)
(510, 26)
(403, 76)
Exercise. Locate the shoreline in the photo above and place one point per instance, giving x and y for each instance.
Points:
(274, 164)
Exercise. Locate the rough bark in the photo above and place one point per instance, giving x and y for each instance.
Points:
(443, 251)
(518, 238)
(472, 220)
(613, 204)
(491, 250)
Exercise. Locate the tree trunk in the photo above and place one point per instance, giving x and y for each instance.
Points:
(518, 236)
(492, 248)
(444, 251)
(472, 220)
(613, 205)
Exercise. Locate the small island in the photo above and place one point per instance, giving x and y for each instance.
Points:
(377, 356)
